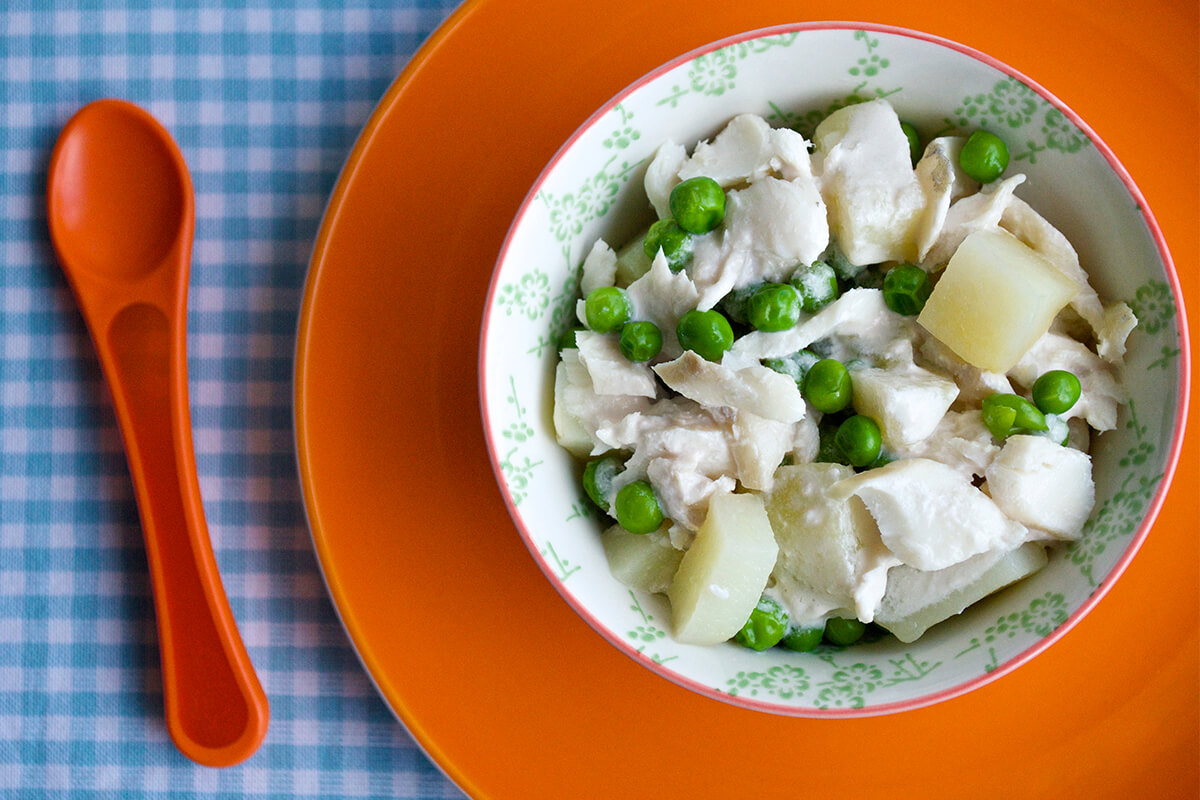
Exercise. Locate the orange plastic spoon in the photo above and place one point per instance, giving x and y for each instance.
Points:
(121, 216)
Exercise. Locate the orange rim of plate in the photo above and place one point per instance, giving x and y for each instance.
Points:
(1109, 743)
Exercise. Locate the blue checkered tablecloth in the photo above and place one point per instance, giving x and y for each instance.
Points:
(265, 100)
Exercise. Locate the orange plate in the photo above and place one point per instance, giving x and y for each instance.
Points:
(501, 683)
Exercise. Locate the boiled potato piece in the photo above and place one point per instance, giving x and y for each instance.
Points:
(995, 299)
(567, 428)
(724, 572)
(831, 558)
(646, 562)
(632, 261)
(916, 601)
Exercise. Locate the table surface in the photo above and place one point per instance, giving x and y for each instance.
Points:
(266, 101)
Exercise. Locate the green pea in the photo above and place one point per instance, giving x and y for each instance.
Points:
(906, 287)
(836, 258)
(606, 309)
(1056, 391)
(858, 437)
(773, 307)
(817, 286)
(795, 366)
(842, 631)
(828, 451)
(803, 639)
(827, 386)
(706, 333)
(984, 156)
(869, 278)
(698, 204)
(881, 460)
(567, 340)
(1007, 414)
(736, 305)
(640, 341)
(766, 626)
(674, 241)
(637, 509)
(598, 477)
(914, 141)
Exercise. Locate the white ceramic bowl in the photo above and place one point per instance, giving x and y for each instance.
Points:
(793, 75)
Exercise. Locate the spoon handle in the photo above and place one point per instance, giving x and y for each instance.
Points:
(216, 710)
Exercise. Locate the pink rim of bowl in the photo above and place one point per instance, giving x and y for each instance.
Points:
(1152, 508)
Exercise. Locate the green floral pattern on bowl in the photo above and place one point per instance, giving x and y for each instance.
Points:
(594, 189)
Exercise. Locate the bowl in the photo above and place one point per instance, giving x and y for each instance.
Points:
(794, 75)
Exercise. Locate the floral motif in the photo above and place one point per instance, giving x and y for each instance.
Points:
(713, 74)
(624, 134)
(571, 211)
(517, 475)
(582, 508)
(518, 431)
(1010, 103)
(1061, 133)
(782, 680)
(530, 295)
(1141, 450)
(1044, 614)
(1166, 355)
(1030, 152)
(646, 633)
(562, 313)
(1154, 306)
(1013, 106)
(562, 567)
(1006, 627)
(1119, 515)
(848, 687)
(870, 64)
(1117, 518)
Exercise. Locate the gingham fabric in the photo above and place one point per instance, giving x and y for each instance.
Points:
(265, 101)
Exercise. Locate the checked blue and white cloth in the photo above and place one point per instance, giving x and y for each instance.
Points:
(265, 100)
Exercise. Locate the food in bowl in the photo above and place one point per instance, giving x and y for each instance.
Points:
(794, 76)
(837, 383)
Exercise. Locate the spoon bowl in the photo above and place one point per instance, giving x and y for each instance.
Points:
(135, 170)
(121, 218)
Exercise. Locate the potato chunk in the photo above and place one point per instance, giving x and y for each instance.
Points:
(916, 600)
(831, 559)
(646, 562)
(995, 299)
(724, 572)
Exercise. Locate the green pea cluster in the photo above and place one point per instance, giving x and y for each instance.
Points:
(983, 157)
(697, 207)
(1054, 393)
(769, 626)
(635, 506)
